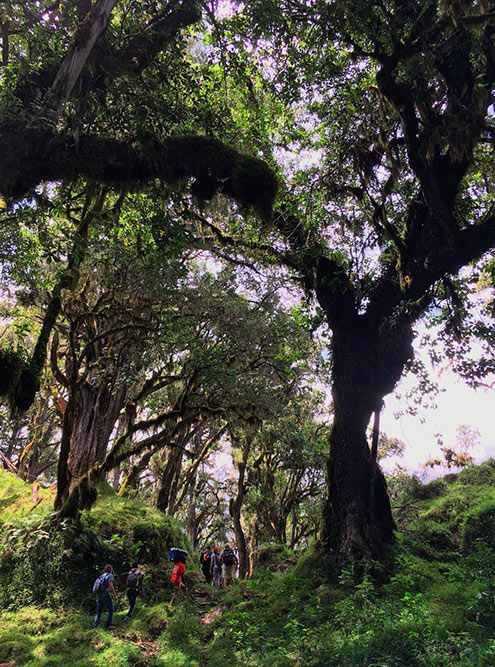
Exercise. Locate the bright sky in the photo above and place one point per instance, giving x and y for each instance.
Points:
(458, 405)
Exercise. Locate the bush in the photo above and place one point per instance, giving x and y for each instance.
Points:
(42, 563)
(479, 524)
(273, 557)
(483, 474)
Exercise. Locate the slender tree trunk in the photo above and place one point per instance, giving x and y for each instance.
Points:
(116, 479)
(94, 25)
(192, 523)
(242, 548)
(235, 507)
(13, 440)
(165, 498)
(63, 473)
(132, 476)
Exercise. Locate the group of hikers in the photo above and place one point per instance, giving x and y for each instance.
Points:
(217, 567)
(106, 596)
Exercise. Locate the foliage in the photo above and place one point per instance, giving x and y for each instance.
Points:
(43, 563)
(431, 605)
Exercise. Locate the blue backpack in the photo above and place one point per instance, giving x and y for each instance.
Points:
(178, 555)
(101, 584)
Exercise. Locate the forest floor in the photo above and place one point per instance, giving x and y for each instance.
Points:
(432, 604)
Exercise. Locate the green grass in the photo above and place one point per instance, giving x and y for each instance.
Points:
(35, 637)
(15, 499)
(431, 605)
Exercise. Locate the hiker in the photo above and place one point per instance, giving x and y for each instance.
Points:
(206, 566)
(105, 594)
(229, 563)
(216, 567)
(178, 579)
(133, 583)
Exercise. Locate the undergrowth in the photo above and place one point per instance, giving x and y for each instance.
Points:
(432, 604)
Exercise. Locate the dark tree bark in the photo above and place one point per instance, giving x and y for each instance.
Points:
(94, 419)
(357, 522)
(235, 509)
(192, 523)
(166, 493)
(89, 420)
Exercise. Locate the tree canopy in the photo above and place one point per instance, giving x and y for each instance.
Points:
(347, 146)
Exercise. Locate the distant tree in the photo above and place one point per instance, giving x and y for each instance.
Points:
(389, 446)
(279, 461)
(457, 456)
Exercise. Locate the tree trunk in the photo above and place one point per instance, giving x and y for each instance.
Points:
(242, 548)
(116, 479)
(235, 506)
(192, 523)
(93, 26)
(89, 419)
(166, 494)
(98, 409)
(132, 477)
(358, 520)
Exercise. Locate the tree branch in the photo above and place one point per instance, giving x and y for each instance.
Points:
(34, 156)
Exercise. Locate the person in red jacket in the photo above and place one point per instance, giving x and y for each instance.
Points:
(177, 579)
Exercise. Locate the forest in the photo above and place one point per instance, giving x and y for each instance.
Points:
(228, 231)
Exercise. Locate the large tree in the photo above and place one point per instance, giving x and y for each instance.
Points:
(389, 105)
(110, 92)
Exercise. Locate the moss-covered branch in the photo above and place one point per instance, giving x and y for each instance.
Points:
(33, 156)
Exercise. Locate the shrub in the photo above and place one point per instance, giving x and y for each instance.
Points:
(479, 524)
(42, 563)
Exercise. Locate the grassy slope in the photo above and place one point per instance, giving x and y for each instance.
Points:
(433, 605)
(46, 578)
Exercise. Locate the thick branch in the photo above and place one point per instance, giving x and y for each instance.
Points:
(33, 156)
(93, 26)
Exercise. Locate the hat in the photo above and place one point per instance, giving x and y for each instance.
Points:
(215, 548)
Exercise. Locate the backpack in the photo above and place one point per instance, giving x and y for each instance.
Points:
(218, 560)
(228, 556)
(178, 555)
(205, 557)
(133, 579)
(101, 583)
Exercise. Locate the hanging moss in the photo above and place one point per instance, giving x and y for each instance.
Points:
(19, 382)
(253, 185)
(204, 187)
(26, 389)
(40, 155)
(11, 365)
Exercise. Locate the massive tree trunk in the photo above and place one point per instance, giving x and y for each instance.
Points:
(97, 413)
(168, 484)
(89, 419)
(358, 520)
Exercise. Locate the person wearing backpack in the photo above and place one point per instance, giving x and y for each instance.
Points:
(133, 583)
(105, 595)
(178, 579)
(229, 560)
(216, 567)
(206, 566)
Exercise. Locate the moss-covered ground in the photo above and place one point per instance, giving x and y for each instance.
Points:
(431, 605)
